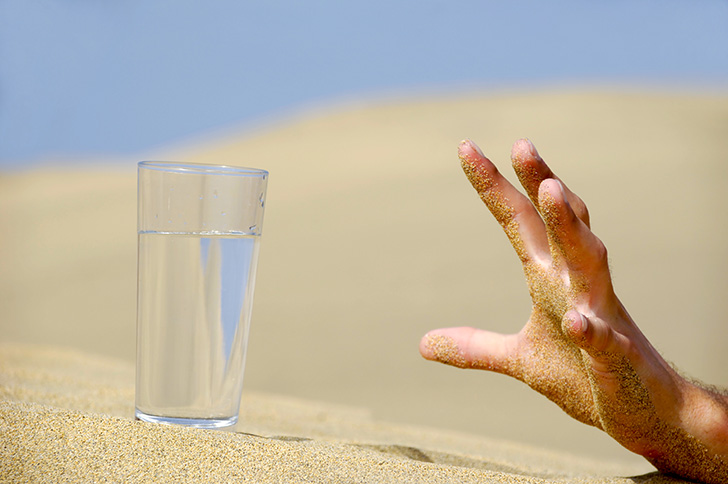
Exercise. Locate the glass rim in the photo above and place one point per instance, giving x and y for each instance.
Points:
(201, 168)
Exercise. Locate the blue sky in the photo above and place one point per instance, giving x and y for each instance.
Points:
(83, 78)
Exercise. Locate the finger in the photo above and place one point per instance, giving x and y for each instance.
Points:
(603, 346)
(513, 211)
(593, 335)
(619, 392)
(572, 241)
(532, 170)
(470, 348)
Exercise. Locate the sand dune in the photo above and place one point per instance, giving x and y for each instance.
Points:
(373, 236)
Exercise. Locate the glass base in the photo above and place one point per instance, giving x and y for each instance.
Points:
(199, 423)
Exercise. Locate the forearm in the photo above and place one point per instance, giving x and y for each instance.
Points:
(695, 443)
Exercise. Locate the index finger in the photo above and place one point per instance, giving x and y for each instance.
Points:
(514, 211)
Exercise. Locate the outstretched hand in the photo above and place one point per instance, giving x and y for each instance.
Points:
(580, 348)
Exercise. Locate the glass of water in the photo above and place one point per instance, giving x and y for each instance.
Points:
(199, 229)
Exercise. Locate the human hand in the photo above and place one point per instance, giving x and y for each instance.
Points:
(579, 347)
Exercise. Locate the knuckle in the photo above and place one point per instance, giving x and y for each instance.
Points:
(581, 210)
(600, 254)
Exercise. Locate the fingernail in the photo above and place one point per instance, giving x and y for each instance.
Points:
(575, 325)
(583, 323)
(563, 194)
(532, 149)
(477, 148)
(561, 187)
(470, 143)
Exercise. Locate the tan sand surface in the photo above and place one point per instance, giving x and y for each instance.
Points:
(373, 236)
(67, 416)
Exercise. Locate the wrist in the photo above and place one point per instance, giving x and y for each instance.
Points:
(693, 443)
(704, 415)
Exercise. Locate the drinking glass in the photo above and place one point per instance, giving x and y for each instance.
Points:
(199, 230)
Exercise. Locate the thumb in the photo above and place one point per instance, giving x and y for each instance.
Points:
(469, 348)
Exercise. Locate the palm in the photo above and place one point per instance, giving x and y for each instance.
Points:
(548, 362)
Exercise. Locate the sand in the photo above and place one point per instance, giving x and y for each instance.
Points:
(372, 237)
(68, 417)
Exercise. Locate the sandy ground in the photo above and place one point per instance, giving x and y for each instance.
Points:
(373, 236)
(66, 416)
